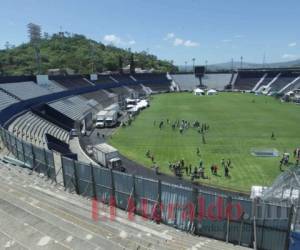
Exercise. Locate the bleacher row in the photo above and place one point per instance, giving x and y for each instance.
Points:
(74, 107)
(33, 128)
(6, 100)
(273, 81)
(188, 82)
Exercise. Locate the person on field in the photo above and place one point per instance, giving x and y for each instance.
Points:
(226, 170)
(148, 153)
(198, 151)
(182, 163)
(152, 158)
(223, 163)
(229, 163)
(190, 169)
(180, 130)
(161, 124)
(203, 139)
(156, 169)
(215, 169)
(212, 168)
(273, 136)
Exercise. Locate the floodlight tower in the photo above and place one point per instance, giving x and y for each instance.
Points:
(185, 65)
(34, 32)
(193, 60)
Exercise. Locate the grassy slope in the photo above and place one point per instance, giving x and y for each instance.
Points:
(236, 125)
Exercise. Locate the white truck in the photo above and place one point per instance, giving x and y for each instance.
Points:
(111, 118)
(101, 116)
(108, 156)
(113, 107)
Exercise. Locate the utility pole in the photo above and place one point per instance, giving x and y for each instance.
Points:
(242, 62)
(92, 57)
(232, 64)
(185, 67)
(264, 60)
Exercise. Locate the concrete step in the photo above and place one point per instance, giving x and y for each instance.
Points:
(51, 211)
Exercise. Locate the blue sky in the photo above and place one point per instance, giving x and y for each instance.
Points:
(212, 30)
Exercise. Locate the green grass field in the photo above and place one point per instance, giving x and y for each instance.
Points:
(238, 122)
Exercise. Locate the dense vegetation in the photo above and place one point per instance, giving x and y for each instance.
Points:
(76, 52)
(238, 123)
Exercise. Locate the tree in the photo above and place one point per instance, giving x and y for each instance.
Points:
(132, 66)
(120, 64)
(7, 45)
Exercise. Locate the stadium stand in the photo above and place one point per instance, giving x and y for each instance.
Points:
(101, 96)
(266, 79)
(284, 79)
(6, 99)
(53, 87)
(123, 78)
(121, 91)
(156, 82)
(138, 89)
(103, 79)
(73, 107)
(186, 82)
(71, 82)
(33, 128)
(25, 90)
(38, 214)
(247, 79)
(216, 81)
(295, 84)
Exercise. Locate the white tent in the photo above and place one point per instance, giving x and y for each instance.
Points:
(198, 91)
(290, 93)
(212, 92)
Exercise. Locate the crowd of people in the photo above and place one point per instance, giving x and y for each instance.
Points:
(180, 167)
(285, 159)
(182, 125)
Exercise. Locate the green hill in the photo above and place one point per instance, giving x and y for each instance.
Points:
(76, 52)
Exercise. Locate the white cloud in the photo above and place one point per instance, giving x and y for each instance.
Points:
(226, 40)
(289, 56)
(189, 43)
(112, 39)
(116, 40)
(169, 36)
(292, 44)
(178, 41)
(132, 42)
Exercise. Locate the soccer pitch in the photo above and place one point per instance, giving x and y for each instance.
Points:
(238, 123)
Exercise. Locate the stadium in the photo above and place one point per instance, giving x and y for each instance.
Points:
(103, 147)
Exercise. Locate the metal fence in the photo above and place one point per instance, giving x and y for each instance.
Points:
(232, 219)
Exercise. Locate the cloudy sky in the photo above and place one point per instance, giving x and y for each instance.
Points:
(179, 30)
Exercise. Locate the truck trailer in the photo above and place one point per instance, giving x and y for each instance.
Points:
(111, 118)
(101, 116)
(108, 156)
